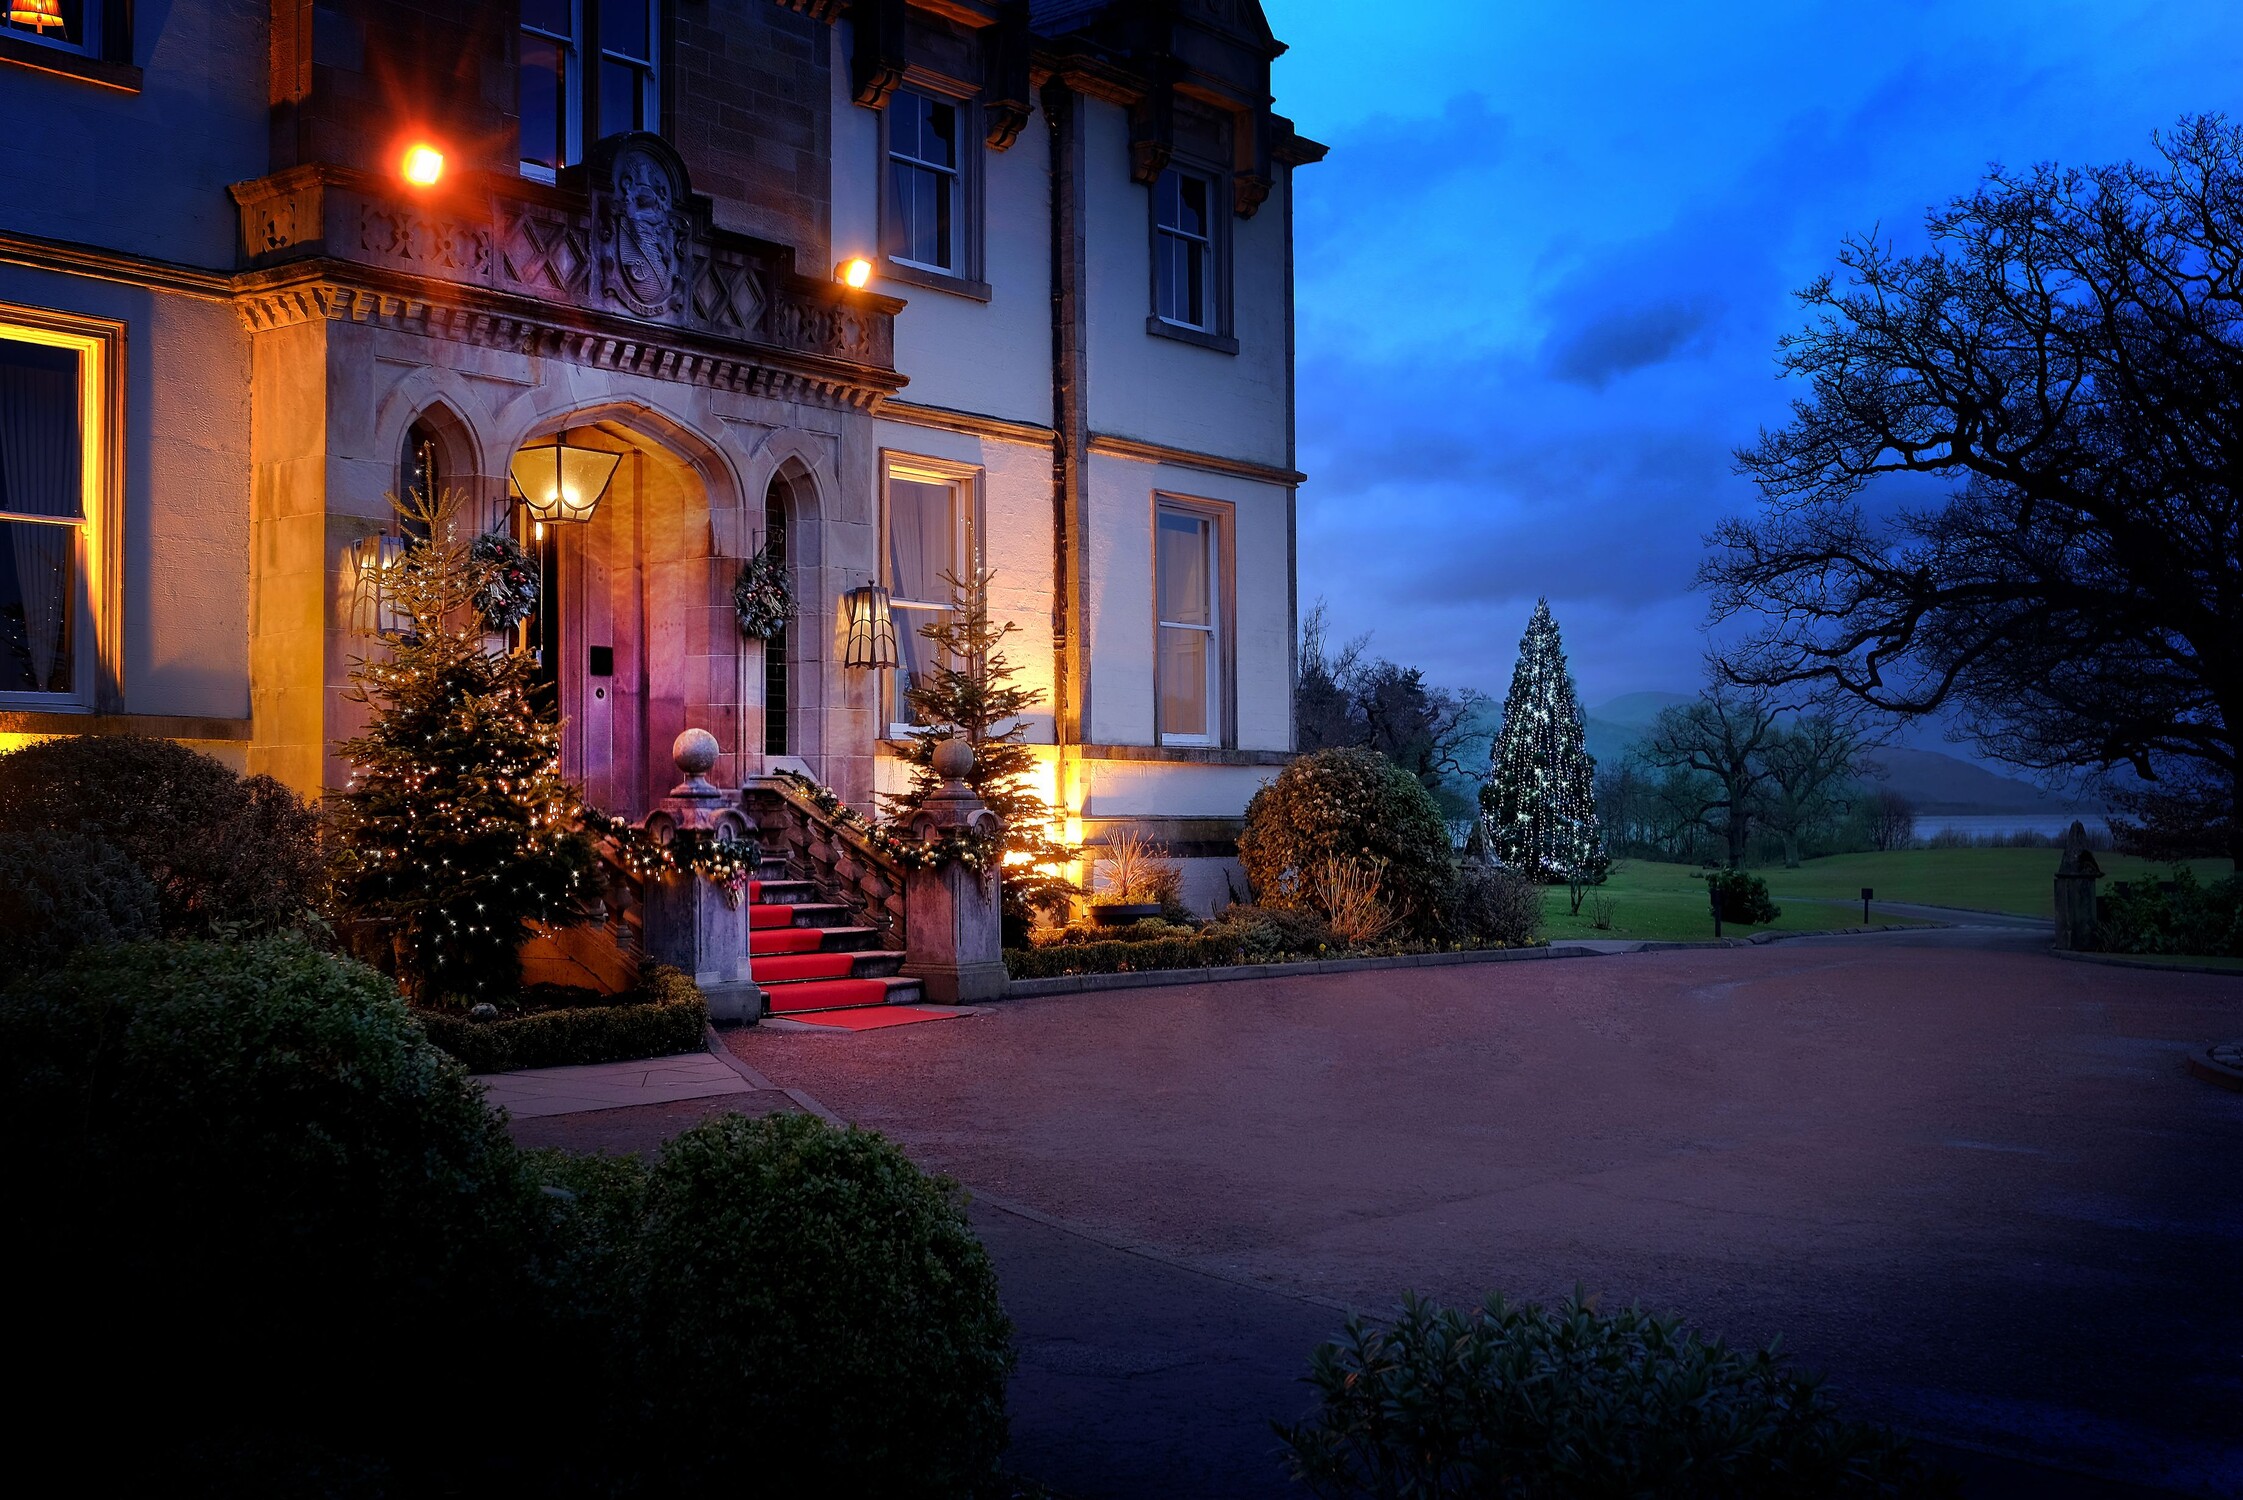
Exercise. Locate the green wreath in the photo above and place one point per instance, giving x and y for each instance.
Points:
(763, 598)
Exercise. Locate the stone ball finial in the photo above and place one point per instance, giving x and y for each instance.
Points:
(695, 752)
(953, 758)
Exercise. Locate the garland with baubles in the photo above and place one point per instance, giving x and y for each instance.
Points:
(763, 597)
(727, 864)
(979, 852)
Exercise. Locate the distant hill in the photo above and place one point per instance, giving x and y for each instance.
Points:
(1940, 784)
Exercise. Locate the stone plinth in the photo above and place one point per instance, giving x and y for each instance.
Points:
(2076, 875)
(691, 924)
(952, 939)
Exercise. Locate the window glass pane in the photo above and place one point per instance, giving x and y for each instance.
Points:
(70, 31)
(915, 655)
(1183, 680)
(1164, 201)
(904, 110)
(622, 98)
(549, 15)
(938, 138)
(37, 567)
(936, 194)
(1184, 593)
(540, 99)
(922, 542)
(1191, 205)
(1192, 295)
(623, 28)
(39, 443)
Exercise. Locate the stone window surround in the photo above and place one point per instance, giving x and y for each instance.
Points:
(1222, 515)
(109, 65)
(97, 609)
(1219, 335)
(969, 281)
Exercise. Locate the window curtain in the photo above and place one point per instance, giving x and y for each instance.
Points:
(39, 454)
(1183, 570)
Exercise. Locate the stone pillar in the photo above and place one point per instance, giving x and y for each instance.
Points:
(691, 924)
(951, 933)
(2076, 875)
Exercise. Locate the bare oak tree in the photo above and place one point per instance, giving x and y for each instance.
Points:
(2069, 354)
(1718, 740)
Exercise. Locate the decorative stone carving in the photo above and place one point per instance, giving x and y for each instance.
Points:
(640, 227)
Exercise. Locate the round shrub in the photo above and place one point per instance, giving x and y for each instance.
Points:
(1742, 898)
(1568, 1403)
(225, 852)
(241, 1173)
(1495, 906)
(1351, 805)
(815, 1311)
(62, 891)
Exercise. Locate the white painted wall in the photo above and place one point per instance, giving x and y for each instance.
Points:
(1158, 389)
(1169, 789)
(144, 172)
(185, 589)
(989, 357)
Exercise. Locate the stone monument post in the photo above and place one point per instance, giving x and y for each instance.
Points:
(691, 924)
(2076, 875)
(951, 930)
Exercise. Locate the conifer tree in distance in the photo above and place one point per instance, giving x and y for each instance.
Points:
(1540, 796)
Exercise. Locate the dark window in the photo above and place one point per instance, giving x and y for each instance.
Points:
(587, 70)
(924, 187)
(42, 513)
(775, 648)
(419, 479)
(1183, 250)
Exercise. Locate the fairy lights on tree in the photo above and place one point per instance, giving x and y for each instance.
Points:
(1540, 797)
(457, 826)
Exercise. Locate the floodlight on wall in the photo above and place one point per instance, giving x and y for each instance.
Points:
(422, 164)
(561, 482)
(376, 565)
(854, 273)
(36, 14)
(872, 628)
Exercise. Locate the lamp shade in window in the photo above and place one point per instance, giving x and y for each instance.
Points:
(872, 628)
(36, 14)
(561, 482)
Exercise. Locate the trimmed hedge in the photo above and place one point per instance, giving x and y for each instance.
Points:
(60, 892)
(666, 1015)
(1122, 957)
(1568, 1403)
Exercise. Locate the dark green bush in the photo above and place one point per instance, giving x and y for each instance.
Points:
(63, 891)
(244, 1175)
(1515, 1402)
(666, 1015)
(814, 1311)
(1352, 805)
(1267, 933)
(227, 853)
(2144, 917)
(1743, 898)
(1123, 957)
(1494, 907)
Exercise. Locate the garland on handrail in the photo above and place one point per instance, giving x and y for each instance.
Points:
(727, 864)
(979, 852)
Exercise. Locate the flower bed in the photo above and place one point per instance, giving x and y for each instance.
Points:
(665, 1015)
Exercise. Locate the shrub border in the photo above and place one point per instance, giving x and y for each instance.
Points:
(670, 1018)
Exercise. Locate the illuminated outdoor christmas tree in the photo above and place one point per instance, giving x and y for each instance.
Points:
(1540, 797)
(457, 828)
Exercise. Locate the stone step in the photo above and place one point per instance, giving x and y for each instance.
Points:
(896, 990)
(819, 913)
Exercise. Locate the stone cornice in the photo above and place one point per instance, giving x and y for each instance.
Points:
(1140, 451)
(72, 259)
(158, 726)
(972, 424)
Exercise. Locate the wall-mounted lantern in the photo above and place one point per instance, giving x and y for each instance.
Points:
(561, 482)
(377, 563)
(872, 628)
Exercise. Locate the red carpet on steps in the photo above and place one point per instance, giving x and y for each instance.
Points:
(763, 940)
(819, 994)
(770, 968)
(875, 1018)
(773, 914)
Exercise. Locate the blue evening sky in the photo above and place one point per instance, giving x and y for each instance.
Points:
(1542, 274)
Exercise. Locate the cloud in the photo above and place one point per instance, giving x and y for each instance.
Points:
(1615, 342)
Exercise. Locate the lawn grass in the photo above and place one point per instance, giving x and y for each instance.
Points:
(1657, 902)
(2015, 881)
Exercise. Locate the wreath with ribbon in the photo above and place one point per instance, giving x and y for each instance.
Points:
(508, 591)
(763, 598)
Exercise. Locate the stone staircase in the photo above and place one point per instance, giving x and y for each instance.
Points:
(806, 952)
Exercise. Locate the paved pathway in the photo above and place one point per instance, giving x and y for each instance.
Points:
(1973, 1182)
(661, 1080)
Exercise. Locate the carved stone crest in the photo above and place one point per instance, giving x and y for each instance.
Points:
(642, 229)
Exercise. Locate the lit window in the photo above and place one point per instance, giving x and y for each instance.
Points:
(1190, 664)
(72, 25)
(923, 182)
(1183, 251)
(928, 543)
(561, 109)
(50, 516)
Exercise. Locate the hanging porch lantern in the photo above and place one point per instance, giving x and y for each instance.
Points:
(36, 14)
(561, 482)
(376, 564)
(872, 628)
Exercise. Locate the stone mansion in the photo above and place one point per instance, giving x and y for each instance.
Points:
(888, 288)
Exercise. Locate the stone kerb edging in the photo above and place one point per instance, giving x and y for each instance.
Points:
(2123, 961)
(1073, 984)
